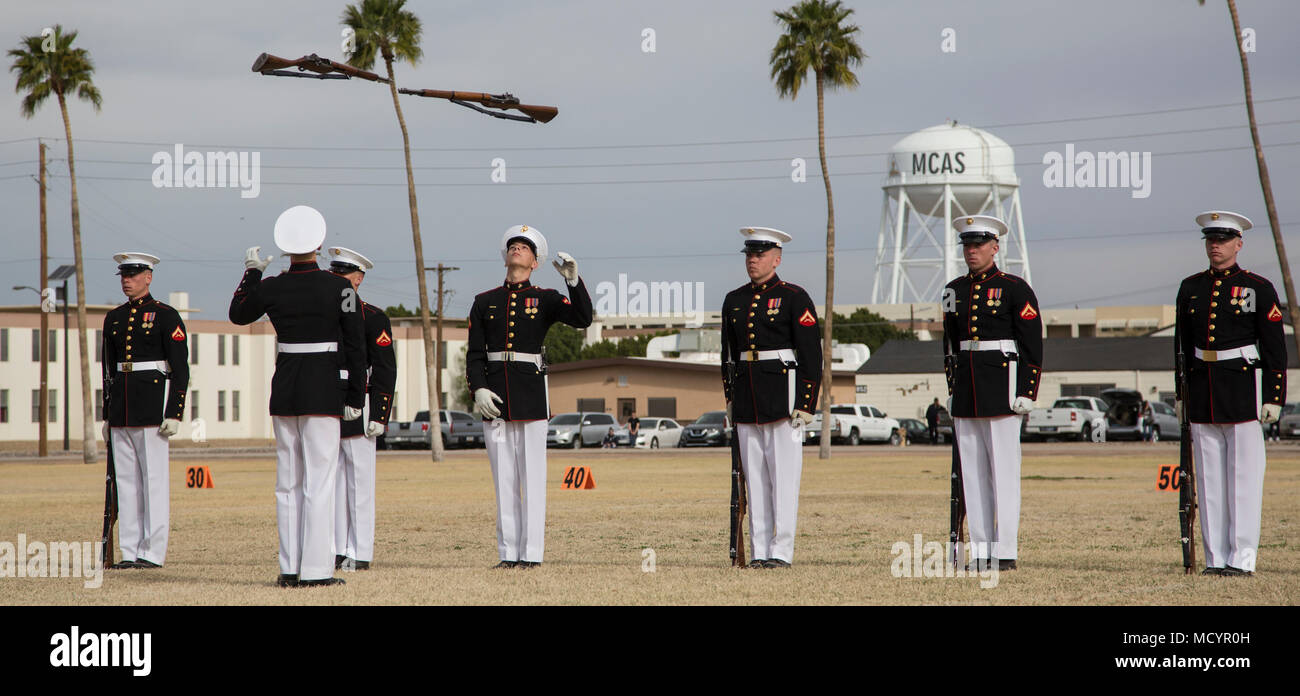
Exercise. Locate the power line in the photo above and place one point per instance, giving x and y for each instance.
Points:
(666, 145)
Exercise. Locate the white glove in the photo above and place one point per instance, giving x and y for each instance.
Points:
(351, 414)
(568, 269)
(1271, 413)
(801, 417)
(104, 431)
(950, 405)
(1178, 410)
(1022, 405)
(169, 427)
(252, 259)
(729, 421)
(483, 398)
(375, 429)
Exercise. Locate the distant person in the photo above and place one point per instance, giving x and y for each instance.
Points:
(611, 440)
(1146, 421)
(932, 420)
(633, 429)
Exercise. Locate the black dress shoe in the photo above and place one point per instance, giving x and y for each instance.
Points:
(1006, 564)
(757, 563)
(286, 580)
(528, 565)
(978, 565)
(1229, 571)
(338, 561)
(141, 563)
(775, 563)
(361, 565)
(1212, 571)
(503, 565)
(321, 582)
(124, 565)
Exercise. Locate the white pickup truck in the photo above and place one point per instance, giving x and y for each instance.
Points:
(1076, 417)
(854, 423)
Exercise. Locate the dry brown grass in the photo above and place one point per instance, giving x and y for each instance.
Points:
(1093, 531)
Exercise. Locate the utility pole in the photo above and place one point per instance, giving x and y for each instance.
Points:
(45, 320)
(438, 357)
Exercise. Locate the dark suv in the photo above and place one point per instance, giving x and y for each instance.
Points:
(709, 430)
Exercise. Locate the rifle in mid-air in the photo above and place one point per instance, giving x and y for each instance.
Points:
(957, 498)
(312, 66)
(1186, 474)
(737, 542)
(502, 102)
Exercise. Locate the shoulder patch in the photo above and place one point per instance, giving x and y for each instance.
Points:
(806, 319)
(178, 335)
(566, 300)
(1275, 314)
(383, 339)
(1028, 312)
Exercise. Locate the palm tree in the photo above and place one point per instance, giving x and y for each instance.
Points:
(1293, 308)
(816, 38)
(49, 65)
(384, 29)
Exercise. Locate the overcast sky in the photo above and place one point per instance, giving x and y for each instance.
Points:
(627, 179)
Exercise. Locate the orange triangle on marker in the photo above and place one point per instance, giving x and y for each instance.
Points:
(578, 478)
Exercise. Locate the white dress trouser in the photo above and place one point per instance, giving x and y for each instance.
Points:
(1230, 491)
(307, 458)
(142, 466)
(354, 499)
(772, 457)
(517, 452)
(990, 476)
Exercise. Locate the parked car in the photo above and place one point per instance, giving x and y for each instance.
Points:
(459, 429)
(1289, 423)
(1076, 418)
(855, 423)
(575, 430)
(917, 431)
(659, 432)
(709, 430)
(1125, 408)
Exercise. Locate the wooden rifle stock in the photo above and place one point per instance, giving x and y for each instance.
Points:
(503, 102)
(106, 554)
(957, 497)
(1186, 474)
(324, 68)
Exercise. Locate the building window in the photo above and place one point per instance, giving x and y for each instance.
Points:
(99, 404)
(661, 407)
(194, 349)
(442, 354)
(194, 403)
(234, 406)
(4, 345)
(221, 406)
(221, 349)
(4, 405)
(36, 345)
(54, 409)
(234, 352)
(593, 405)
(36, 406)
(99, 345)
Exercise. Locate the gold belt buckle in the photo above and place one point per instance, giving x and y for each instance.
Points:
(1210, 355)
(753, 356)
(126, 367)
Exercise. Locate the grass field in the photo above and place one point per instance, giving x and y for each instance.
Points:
(1093, 531)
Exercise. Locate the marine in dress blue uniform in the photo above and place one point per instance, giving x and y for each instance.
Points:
(507, 375)
(320, 372)
(992, 325)
(772, 375)
(1229, 330)
(354, 491)
(146, 374)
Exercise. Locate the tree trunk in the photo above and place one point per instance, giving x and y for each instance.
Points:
(828, 318)
(1293, 308)
(430, 348)
(88, 454)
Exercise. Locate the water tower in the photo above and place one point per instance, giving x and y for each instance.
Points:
(935, 175)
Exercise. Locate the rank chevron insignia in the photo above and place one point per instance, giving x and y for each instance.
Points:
(178, 335)
(1275, 314)
(806, 318)
(1028, 312)
(383, 339)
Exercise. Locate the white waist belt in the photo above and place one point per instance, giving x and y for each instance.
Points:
(511, 356)
(1249, 353)
(307, 347)
(1006, 346)
(784, 354)
(343, 374)
(159, 365)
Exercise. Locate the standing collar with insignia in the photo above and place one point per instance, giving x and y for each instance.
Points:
(772, 282)
(1215, 273)
(298, 266)
(140, 300)
(517, 286)
(992, 271)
